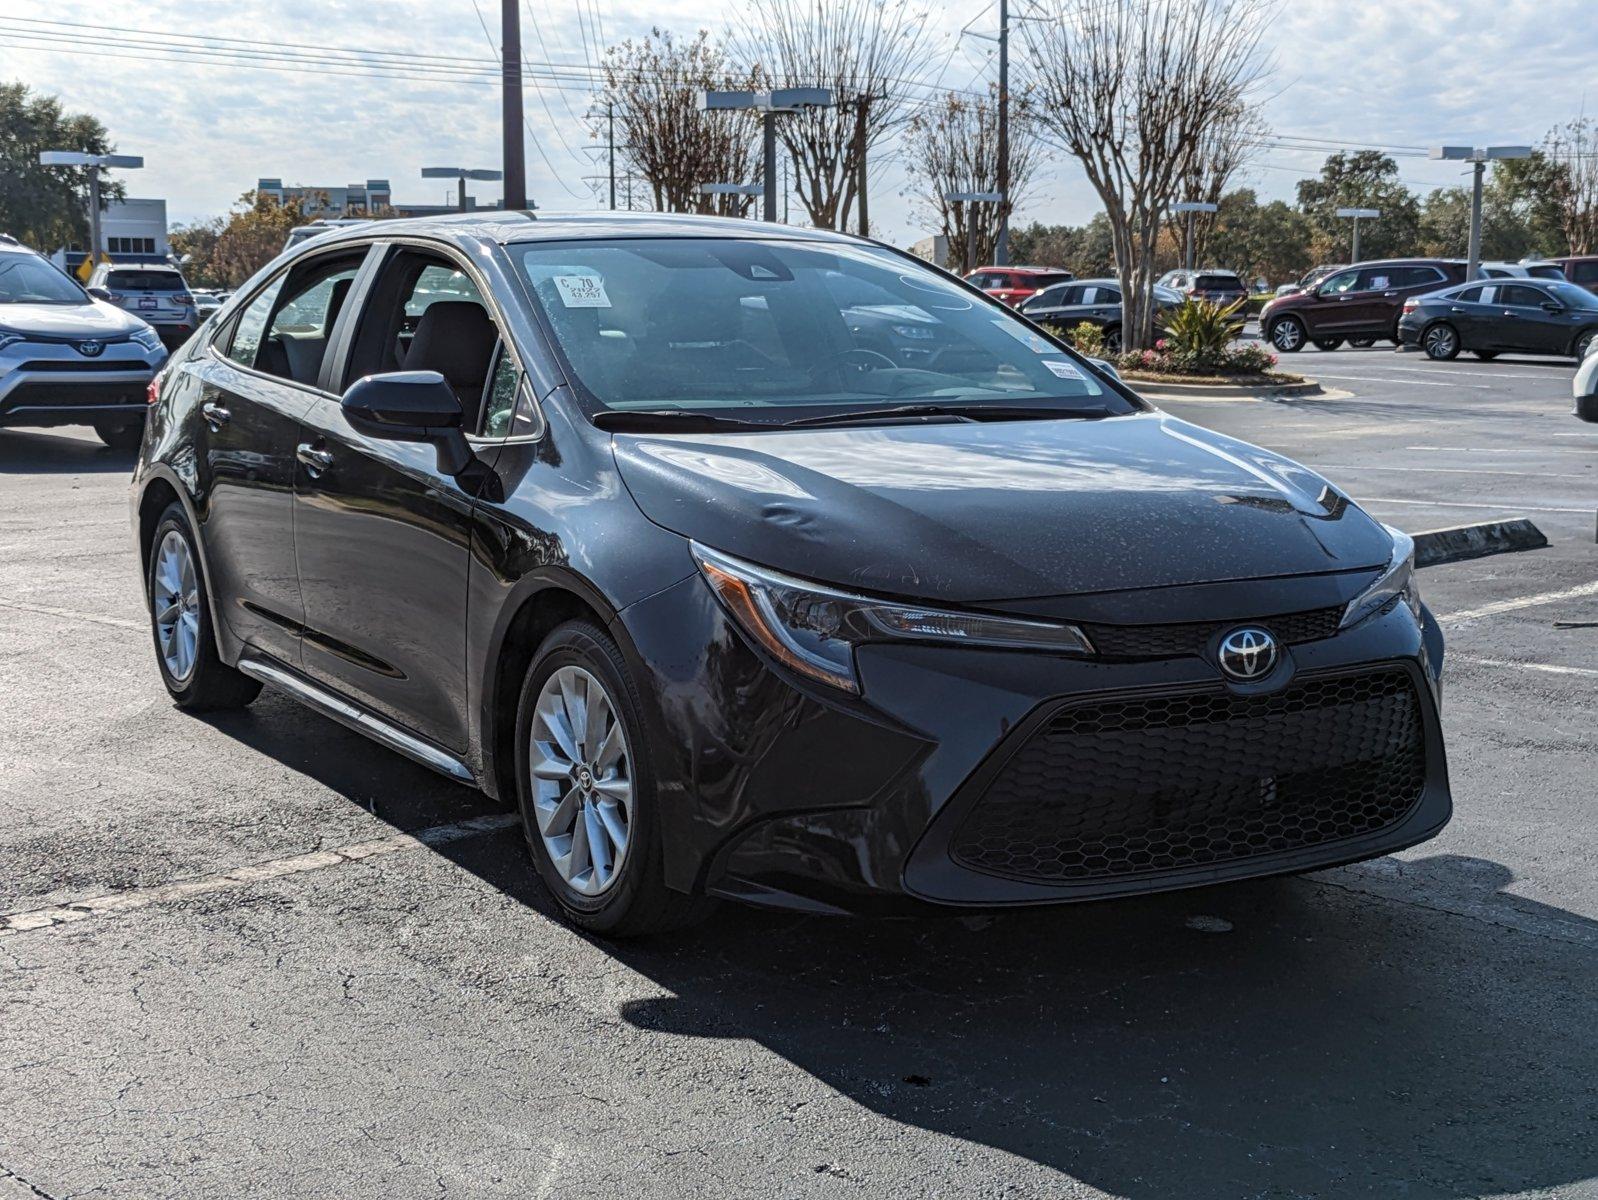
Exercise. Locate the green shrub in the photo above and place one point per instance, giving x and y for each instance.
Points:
(1088, 339)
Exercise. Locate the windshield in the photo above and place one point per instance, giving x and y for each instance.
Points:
(744, 327)
(1571, 295)
(26, 279)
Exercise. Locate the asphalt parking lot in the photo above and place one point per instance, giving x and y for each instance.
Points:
(229, 968)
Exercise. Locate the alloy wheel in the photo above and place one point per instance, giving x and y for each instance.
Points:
(175, 600)
(1441, 342)
(582, 780)
(1287, 335)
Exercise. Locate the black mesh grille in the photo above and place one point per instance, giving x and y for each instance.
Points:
(90, 393)
(1172, 641)
(1127, 787)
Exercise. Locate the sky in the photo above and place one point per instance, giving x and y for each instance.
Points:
(1396, 76)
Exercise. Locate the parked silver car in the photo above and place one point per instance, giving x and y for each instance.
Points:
(67, 358)
(154, 293)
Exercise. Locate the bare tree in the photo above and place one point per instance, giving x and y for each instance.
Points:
(1574, 147)
(664, 136)
(863, 50)
(1132, 88)
(1216, 157)
(953, 146)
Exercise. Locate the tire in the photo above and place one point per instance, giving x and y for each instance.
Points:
(1485, 355)
(1584, 343)
(198, 681)
(1112, 339)
(1362, 343)
(1288, 334)
(123, 436)
(1440, 341)
(559, 810)
(1328, 343)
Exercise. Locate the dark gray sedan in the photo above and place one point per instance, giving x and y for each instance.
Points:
(1097, 301)
(1488, 318)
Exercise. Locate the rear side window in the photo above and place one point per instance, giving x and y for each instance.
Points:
(145, 281)
(1471, 295)
(1219, 283)
(1416, 276)
(1545, 271)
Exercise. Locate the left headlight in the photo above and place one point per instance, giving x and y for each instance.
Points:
(148, 338)
(7, 338)
(814, 629)
(1396, 580)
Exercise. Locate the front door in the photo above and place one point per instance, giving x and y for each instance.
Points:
(382, 535)
(1532, 327)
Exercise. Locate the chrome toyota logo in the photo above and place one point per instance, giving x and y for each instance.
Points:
(1248, 653)
(90, 349)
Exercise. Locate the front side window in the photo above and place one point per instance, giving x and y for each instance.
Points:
(29, 279)
(1343, 282)
(1570, 295)
(1517, 295)
(743, 327)
(251, 326)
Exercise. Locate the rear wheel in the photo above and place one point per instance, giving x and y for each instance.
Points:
(180, 621)
(586, 790)
(1584, 344)
(121, 435)
(1288, 334)
(1441, 342)
(1112, 339)
(1362, 343)
(1328, 343)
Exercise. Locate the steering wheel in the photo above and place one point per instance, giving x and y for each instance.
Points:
(864, 360)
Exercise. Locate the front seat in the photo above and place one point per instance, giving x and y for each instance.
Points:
(456, 338)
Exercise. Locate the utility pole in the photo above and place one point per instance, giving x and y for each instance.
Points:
(1001, 248)
(510, 55)
(610, 139)
(1478, 159)
(1358, 214)
(860, 113)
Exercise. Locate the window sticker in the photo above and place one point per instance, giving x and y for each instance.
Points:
(1026, 337)
(582, 291)
(1378, 282)
(1065, 370)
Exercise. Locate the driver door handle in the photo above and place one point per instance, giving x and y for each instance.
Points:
(215, 415)
(315, 458)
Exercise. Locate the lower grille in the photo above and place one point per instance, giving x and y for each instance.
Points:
(1171, 641)
(88, 394)
(1127, 787)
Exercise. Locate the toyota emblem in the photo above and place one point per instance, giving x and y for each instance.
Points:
(90, 349)
(1248, 654)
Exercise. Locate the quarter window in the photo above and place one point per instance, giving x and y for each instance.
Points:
(1470, 295)
(251, 327)
(500, 402)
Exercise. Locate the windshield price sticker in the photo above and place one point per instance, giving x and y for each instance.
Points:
(1026, 337)
(1064, 370)
(582, 291)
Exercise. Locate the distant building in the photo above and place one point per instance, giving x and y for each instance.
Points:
(131, 230)
(934, 249)
(349, 200)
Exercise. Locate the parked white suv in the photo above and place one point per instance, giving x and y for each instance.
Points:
(156, 293)
(67, 358)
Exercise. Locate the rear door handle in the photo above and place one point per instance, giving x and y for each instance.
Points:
(315, 458)
(215, 415)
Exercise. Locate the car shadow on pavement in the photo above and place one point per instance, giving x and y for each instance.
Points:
(36, 452)
(1282, 1038)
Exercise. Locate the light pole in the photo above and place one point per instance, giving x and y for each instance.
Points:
(768, 105)
(1477, 158)
(510, 74)
(968, 199)
(96, 163)
(1190, 207)
(462, 174)
(1358, 214)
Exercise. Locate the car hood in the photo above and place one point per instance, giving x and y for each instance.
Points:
(1003, 510)
(95, 319)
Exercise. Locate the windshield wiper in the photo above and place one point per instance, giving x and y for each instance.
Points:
(959, 412)
(672, 420)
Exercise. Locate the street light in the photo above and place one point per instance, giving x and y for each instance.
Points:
(730, 189)
(79, 158)
(1190, 207)
(1477, 158)
(768, 105)
(971, 219)
(462, 174)
(1358, 214)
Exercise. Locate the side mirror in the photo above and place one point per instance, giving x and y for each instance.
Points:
(1550, 306)
(99, 293)
(410, 406)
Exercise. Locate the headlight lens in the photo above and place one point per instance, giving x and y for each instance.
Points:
(7, 338)
(1396, 580)
(814, 629)
(148, 338)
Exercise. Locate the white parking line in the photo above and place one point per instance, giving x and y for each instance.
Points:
(1510, 508)
(71, 614)
(1503, 606)
(1408, 382)
(1452, 471)
(1497, 449)
(137, 898)
(1546, 668)
(1459, 371)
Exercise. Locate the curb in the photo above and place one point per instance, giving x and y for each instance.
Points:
(1223, 391)
(1436, 546)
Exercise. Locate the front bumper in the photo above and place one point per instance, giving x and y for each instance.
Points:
(780, 794)
(54, 383)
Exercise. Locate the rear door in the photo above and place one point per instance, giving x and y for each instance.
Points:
(1468, 311)
(382, 536)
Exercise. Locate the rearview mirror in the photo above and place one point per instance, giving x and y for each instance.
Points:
(410, 406)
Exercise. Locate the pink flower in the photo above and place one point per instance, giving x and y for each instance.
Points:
(1160, 344)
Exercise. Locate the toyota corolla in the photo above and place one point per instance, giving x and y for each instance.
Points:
(615, 518)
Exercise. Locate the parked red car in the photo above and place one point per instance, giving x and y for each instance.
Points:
(1015, 284)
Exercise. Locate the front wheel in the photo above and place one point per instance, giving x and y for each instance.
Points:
(1328, 343)
(124, 435)
(1288, 335)
(1584, 344)
(180, 621)
(585, 784)
(1441, 342)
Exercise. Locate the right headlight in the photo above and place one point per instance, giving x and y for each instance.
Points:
(1396, 580)
(814, 629)
(148, 338)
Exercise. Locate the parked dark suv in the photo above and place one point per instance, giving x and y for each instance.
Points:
(1358, 305)
(614, 517)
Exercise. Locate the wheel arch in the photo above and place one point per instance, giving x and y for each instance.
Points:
(1585, 331)
(160, 488)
